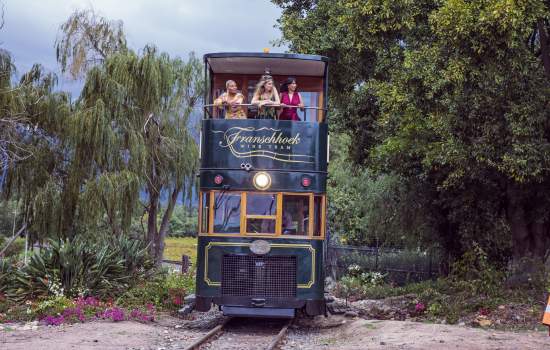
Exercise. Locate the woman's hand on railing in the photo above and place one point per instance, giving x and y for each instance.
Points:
(270, 105)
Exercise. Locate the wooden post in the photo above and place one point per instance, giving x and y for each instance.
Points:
(185, 263)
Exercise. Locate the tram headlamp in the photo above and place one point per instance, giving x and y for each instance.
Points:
(262, 180)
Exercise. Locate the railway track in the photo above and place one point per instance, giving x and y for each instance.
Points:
(242, 333)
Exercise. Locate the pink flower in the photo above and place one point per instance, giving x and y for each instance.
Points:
(419, 307)
(484, 311)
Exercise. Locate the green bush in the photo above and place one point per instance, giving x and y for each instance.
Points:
(7, 274)
(82, 267)
(17, 247)
(53, 306)
(473, 272)
(165, 291)
(183, 222)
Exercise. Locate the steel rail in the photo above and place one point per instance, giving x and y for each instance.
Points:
(207, 336)
(220, 328)
(275, 343)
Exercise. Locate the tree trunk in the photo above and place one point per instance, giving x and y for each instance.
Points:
(544, 46)
(152, 212)
(159, 243)
(530, 240)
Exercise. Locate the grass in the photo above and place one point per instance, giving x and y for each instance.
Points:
(175, 247)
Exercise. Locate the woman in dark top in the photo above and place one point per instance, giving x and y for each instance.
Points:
(290, 97)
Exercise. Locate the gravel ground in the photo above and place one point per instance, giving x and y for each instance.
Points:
(335, 332)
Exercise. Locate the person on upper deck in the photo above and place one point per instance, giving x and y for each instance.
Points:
(266, 98)
(290, 97)
(231, 100)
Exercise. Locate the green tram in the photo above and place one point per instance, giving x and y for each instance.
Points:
(263, 192)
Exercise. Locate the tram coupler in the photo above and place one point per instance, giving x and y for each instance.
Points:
(256, 302)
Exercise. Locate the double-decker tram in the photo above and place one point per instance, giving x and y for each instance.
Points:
(263, 173)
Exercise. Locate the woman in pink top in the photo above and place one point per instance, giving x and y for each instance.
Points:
(290, 97)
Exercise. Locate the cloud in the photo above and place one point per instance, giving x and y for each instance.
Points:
(174, 26)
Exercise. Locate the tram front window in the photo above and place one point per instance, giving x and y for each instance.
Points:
(227, 212)
(261, 211)
(295, 220)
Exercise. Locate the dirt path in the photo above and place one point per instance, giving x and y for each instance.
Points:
(333, 333)
(374, 334)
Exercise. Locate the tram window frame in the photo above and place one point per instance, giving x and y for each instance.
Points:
(213, 210)
(320, 217)
(204, 212)
(309, 209)
(313, 233)
(246, 216)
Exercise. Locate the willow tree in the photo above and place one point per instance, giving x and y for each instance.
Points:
(87, 39)
(32, 150)
(131, 132)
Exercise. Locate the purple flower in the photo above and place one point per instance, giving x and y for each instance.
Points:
(116, 314)
(53, 320)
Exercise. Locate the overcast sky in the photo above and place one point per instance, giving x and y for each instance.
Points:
(174, 26)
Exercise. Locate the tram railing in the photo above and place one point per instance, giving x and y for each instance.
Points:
(319, 113)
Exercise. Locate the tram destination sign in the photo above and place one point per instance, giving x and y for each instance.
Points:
(264, 144)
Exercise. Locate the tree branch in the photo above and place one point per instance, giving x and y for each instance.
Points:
(544, 47)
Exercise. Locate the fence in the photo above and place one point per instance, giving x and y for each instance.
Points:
(400, 266)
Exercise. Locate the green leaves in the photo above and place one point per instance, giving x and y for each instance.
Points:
(452, 97)
(80, 267)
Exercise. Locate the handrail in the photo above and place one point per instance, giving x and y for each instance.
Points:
(281, 105)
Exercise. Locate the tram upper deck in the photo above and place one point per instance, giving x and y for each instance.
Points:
(246, 69)
(254, 144)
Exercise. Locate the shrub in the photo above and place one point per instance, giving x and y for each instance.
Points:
(6, 274)
(53, 306)
(17, 247)
(473, 272)
(82, 267)
(166, 291)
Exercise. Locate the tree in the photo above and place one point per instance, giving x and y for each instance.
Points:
(450, 95)
(127, 133)
(87, 39)
(132, 131)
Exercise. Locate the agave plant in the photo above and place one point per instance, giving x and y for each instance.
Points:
(82, 267)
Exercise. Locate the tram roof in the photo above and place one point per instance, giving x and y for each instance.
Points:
(257, 62)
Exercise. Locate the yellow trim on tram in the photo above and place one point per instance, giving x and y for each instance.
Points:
(277, 217)
(211, 283)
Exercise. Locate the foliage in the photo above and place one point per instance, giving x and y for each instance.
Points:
(87, 40)
(165, 291)
(7, 274)
(7, 212)
(53, 306)
(81, 267)
(16, 247)
(356, 281)
(473, 288)
(183, 222)
(474, 271)
(452, 97)
(373, 210)
(128, 133)
(58, 310)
